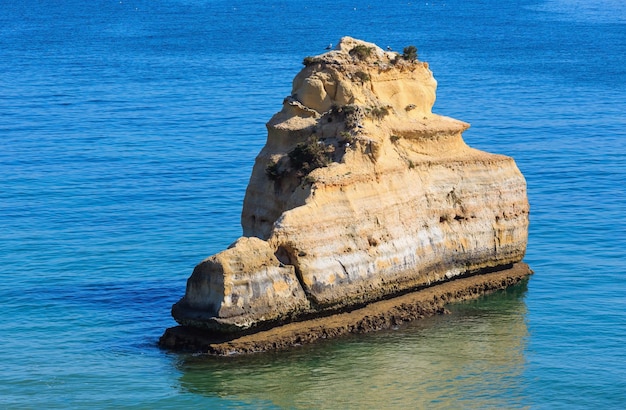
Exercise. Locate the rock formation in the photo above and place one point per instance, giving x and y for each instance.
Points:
(360, 193)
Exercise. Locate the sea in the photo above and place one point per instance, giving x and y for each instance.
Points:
(128, 131)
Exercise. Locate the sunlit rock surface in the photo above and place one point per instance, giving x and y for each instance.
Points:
(360, 193)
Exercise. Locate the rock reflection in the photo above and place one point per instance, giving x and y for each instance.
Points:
(472, 358)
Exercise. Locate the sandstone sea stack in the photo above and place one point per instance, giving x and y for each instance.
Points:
(360, 194)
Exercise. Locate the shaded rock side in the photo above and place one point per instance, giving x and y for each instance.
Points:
(359, 194)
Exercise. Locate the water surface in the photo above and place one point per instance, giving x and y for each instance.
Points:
(128, 130)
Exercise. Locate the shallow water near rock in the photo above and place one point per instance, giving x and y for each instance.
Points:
(128, 133)
(375, 367)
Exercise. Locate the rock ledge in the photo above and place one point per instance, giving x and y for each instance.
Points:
(380, 315)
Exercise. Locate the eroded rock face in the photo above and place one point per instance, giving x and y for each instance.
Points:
(239, 287)
(360, 192)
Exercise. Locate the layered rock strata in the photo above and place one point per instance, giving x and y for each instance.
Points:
(360, 193)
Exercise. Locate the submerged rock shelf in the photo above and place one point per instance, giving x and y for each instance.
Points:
(360, 194)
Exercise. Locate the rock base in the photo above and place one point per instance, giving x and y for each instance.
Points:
(384, 314)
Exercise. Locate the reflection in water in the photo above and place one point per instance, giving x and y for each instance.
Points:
(472, 358)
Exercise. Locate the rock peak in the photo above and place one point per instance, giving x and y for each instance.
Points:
(360, 73)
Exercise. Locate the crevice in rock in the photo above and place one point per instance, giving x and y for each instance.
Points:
(287, 255)
(344, 268)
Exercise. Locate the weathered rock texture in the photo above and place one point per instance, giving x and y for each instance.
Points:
(360, 193)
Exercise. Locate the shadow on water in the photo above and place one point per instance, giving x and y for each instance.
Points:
(473, 357)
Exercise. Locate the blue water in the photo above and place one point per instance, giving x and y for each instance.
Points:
(128, 130)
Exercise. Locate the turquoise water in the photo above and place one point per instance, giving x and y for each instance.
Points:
(128, 130)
